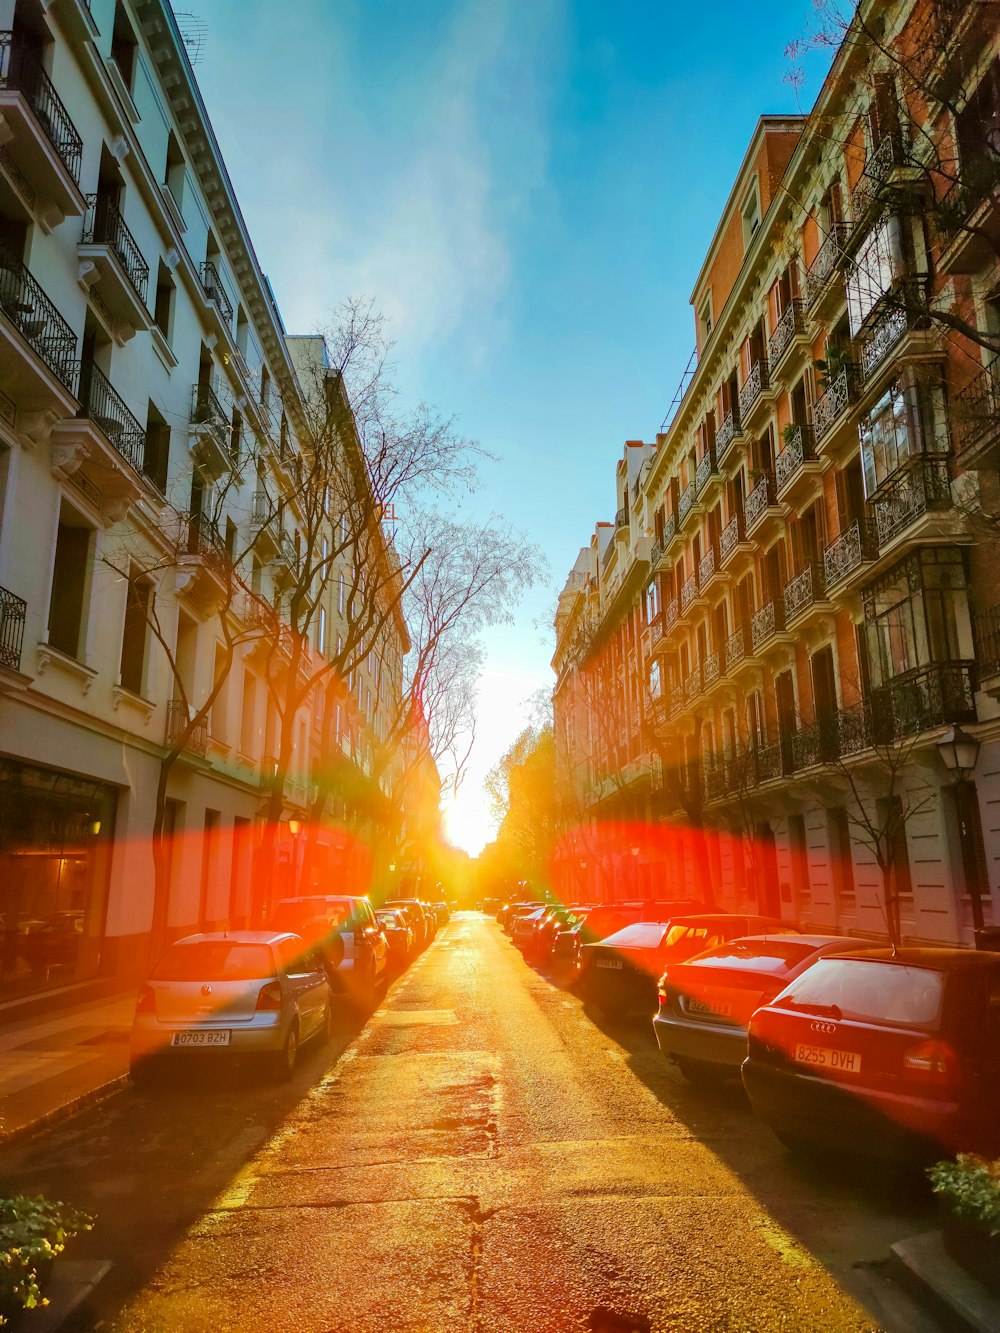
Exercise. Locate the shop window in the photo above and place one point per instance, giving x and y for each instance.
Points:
(70, 583)
(135, 635)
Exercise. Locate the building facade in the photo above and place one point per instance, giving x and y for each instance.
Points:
(153, 431)
(804, 578)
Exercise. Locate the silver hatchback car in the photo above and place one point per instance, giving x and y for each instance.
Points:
(260, 993)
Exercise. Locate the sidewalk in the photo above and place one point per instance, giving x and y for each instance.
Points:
(53, 1064)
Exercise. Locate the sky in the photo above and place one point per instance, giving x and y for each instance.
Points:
(527, 189)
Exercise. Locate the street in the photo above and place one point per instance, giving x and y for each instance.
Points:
(483, 1154)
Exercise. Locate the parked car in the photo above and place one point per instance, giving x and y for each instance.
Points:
(442, 911)
(344, 929)
(706, 1002)
(621, 972)
(552, 922)
(517, 910)
(882, 1054)
(399, 937)
(523, 928)
(606, 918)
(236, 993)
(421, 918)
(567, 944)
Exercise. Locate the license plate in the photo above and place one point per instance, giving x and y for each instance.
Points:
(823, 1057)
(609, 962)
(713, 1008)
(216, 1037)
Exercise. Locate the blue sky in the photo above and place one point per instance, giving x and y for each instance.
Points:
(527, 190)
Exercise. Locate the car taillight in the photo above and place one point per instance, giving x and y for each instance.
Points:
(145, 1001)
(933, 1061)
(661, 995)
(269, 998)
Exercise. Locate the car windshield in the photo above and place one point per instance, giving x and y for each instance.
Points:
(390, 919)
(686, 935)
(641, 935)
(871, 992)
(215, 960)
(771, 956)
(295, 916)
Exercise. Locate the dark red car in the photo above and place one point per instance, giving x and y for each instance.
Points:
(882, 1054)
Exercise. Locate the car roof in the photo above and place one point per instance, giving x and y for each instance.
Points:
(323, 898)
(942, 959)
(794, 937)
(710, 918)
(239, 937)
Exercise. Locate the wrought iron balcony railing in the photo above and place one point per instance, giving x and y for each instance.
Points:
(869, 192)
(179, 722)
(689, 591)
(755, 384)
(670, 614)
(772, 762)
(987, 629)
(805, 589)
(829, 408)
(829, 259)
(205, 540)
(760, 499)
(13, 613)
(924, 486)
(732, 534)
(736, 647)
(104, 225)
(704, 471)
(686, 502)
(37, 320)
(621, 518)
(975, 410)
(22, 71)
(693, 685)
(207, 410)
(707, 566)
(727, 433)
(799, 449)
(101, 403)
(814, 744)
(215, 291)
(790, 325)
(855, 547)
(677, 701)
(765, 623)
(712, 669)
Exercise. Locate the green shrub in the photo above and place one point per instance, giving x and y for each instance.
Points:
(970, 1186)
(32, 1233)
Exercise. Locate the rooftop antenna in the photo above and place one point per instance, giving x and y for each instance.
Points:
(194, 33)
(678, 397)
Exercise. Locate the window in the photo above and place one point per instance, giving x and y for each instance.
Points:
(163, 309)
(878, 263)
(841, 858)
(705, 319)
(156, 449)
(248, 718)
(70, 578)
(751, 215)
(655, 681)
(890, 435)
(800, 860)
(917, 614)
(173, 171)
(135, 635)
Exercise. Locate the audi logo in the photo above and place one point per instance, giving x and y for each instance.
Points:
(206, 989)
(823, 1027)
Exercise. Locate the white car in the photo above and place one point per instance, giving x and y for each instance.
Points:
(345, 930)
(231, 993)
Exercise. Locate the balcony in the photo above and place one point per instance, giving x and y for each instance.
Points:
(765, 624)
(797, 459)
(736, 649)
(902, 312)
(967, 217)
(708, 567)
(689, 592)
(883, 173)
(671, 615)
(761, 501)
(211, 428)
(718, 780)
(195, 742)
(805, 592)
(929, 696)
(987, 636)
(621, 523)
(42, 145)
(703, 473)
(771, 762)
(13, 614)
(923, 487)
(728, 432)
(215, 291)
(828, 262)
(676, 701)
(814, 744)
(112, 263)
(851, 552)
(104, 448)
(38, 365)
(830, 409)
(263, 519)
(686, 503)
(692, 686)
(975, 419)
(712, 670)
(790, 331)
(733, 541)
(754, 393)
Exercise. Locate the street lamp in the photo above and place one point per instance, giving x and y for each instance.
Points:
(959, 752)
(295, 828)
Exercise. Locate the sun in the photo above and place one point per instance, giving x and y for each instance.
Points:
(468, 821)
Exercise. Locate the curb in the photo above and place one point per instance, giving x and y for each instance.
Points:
(68, 1109)
(922, 1264)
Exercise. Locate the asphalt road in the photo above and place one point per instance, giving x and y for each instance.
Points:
(484, 1154)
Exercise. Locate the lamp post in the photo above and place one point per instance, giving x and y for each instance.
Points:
(295, 828)
(959, 752)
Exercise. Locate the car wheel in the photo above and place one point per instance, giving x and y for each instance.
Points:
(285, 1061)
(701, 1073)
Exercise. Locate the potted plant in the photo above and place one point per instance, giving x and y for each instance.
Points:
(837, 359)
(32, 1233)
(969, 1190)
(790, 433)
